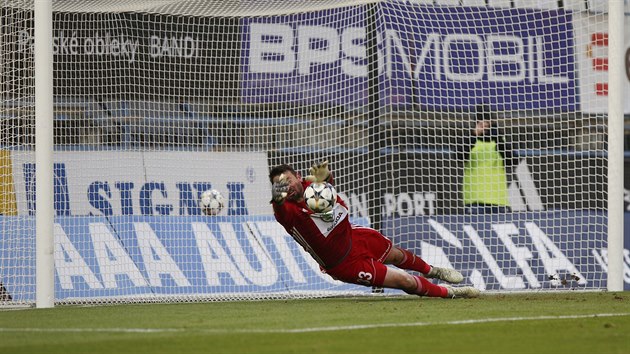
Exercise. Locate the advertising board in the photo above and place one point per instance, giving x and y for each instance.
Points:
(514, 53)
(154, 256)
(591, 39)
(527, 58)
(429, 182)
(162, 256)
(452, 57)
(111, 183)
(122, 53)
(516, 251)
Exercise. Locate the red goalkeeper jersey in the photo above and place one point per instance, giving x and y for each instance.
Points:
(328, 242)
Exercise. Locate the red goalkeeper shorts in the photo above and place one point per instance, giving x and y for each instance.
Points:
(364, 264)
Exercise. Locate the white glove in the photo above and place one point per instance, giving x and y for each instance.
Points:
(318, 173)
(279, 190)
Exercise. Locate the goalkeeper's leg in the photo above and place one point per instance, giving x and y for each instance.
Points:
(417, 285)
(404, 259)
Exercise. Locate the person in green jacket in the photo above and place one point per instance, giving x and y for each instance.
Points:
(487, 158)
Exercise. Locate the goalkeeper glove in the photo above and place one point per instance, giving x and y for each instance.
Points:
(279, 190)
(319, 172)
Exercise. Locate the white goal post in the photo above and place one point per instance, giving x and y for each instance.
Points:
(616, 30)
(116, 116)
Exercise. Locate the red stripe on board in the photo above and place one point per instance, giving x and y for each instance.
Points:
(600, 64)
(599, 39)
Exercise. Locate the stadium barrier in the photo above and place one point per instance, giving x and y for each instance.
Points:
(211, 257)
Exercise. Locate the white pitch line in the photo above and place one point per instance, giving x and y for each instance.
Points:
(306, 330)
(95, 330)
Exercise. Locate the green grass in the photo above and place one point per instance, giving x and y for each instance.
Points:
(520, 323)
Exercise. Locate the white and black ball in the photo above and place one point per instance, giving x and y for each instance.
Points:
(320, 197)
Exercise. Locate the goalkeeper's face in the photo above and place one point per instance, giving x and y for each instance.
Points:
(296, 190)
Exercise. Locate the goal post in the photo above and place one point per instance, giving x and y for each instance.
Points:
(44, 240)
(154, 103)
(617, 92)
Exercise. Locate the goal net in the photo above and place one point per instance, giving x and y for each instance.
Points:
(472, 133)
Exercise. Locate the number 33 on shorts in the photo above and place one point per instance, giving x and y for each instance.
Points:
(365, 278)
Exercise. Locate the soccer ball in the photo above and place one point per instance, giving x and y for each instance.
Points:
(320, 197)
(211, 202)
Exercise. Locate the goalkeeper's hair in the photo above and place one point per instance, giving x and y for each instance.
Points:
(280, 169)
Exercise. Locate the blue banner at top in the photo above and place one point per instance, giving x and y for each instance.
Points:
(458, 57)
(442, 58)
(310, 58)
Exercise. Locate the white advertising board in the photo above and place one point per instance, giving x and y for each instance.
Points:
(591, 43)
(112, 183)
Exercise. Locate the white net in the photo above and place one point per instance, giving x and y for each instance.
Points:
(17, 243)
(159, 101)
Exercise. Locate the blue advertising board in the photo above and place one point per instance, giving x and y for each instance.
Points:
(98, 257)
(440, 57)
(515, 251)
(446, 57)
(310, 58)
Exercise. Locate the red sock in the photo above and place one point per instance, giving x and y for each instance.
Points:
(412, 262)
(426, 288)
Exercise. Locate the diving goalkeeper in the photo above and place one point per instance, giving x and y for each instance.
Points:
(352, 253)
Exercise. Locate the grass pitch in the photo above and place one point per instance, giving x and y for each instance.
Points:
(568, 322)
